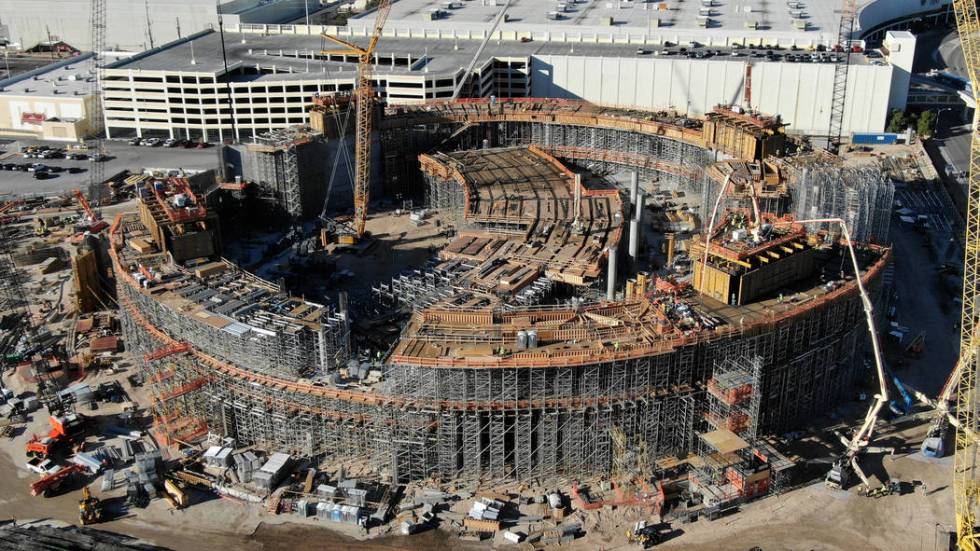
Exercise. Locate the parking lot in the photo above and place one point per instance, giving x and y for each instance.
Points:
(121, 156)
(774, 53)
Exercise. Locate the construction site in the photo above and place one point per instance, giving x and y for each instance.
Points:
(572, 326)
(608, 314)
(523, 322)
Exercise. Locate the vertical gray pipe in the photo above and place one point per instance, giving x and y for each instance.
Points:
(611, 275)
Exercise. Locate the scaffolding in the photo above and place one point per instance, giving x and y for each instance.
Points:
(289, 165)
(461, 398)
(664, 147)
(859, 194)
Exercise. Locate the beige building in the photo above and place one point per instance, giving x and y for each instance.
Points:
(52, 102)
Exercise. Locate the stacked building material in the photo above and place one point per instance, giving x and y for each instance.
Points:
(272, 471)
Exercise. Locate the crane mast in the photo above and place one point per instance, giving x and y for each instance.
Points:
(364, 98)
(97, 26)
(843, 52)
(965, 466)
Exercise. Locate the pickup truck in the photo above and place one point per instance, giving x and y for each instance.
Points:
(41, 466)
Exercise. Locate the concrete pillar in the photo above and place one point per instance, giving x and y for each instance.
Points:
(670, 247)
(611, 274)
(635, 228)
(634, 187)
(634, 241)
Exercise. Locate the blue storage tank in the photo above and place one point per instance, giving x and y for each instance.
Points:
(874, 139)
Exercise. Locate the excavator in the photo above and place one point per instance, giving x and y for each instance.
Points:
(89, 508)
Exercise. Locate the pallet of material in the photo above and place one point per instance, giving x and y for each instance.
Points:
(481, 526)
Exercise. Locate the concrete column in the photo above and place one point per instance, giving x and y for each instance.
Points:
(634, 187)
(634, 241)
(611, 275)
(635, 225)
(670, 247)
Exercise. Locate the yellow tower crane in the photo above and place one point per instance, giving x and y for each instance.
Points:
(965, 465)
(364, 98)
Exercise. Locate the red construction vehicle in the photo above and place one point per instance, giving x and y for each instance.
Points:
(50, 484)
(64, 430)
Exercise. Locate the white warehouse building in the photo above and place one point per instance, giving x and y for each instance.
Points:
(614, 53)
(135, 25)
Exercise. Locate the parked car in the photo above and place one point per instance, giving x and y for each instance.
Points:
(75, 169)
(171, 142)
(41, 175)
(135, 141)
(152, 142)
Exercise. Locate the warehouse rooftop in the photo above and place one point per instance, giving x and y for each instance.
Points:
(269, 52)
(67, 78)
(667, 18)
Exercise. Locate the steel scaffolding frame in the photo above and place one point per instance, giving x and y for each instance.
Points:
(861, 195)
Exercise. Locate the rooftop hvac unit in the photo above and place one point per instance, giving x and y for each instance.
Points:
(554, 15)
(704, 11)
(794, 5)
(797, 14)
(606, 21)
(703, 21)
(707, 3)
(800, 24)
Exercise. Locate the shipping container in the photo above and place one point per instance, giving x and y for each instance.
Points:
(874, 139)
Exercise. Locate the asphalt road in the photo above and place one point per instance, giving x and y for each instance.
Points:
(953, 141)
(122, 156)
